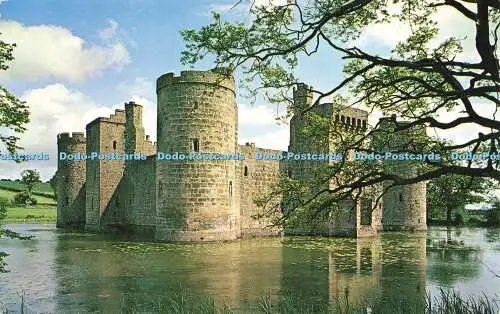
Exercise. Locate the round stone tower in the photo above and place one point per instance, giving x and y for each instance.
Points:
(404, 207)
(70, 180)
(197, 200)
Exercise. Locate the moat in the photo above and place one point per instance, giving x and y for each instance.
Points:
(65, 272)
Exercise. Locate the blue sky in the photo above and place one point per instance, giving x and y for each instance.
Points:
(79, 59)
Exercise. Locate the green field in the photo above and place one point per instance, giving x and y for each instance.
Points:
(42, 189)
(44, 212)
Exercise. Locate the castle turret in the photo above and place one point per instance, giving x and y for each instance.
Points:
(135, 134)
(105, 142)
(70, 180)
(404, 207)
(197, 200)
(302, 97)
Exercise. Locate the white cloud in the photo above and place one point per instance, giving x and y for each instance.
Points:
(253, 116)
(465, 132)
(276, 139)
(110, 31)
(451, 23)
(54, 109)
(142, 91)
(388, 33)
(258, 125)
(260, 3)
(149, 115)
(140, 86)
(59, 53)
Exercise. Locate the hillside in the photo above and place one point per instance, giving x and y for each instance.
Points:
(44, 212)
(40, 189)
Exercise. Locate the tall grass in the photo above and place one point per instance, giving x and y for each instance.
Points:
(179, 301)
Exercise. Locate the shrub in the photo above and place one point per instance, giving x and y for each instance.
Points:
(459, 219)
(493, 215)
(22, 198)
(34, 201)
(4, 203)
(475, 221)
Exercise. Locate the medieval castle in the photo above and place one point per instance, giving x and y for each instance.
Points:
(205, 200)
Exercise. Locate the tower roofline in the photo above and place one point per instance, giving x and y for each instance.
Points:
(222, 77)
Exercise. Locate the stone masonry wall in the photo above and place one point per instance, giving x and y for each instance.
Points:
(207, 200)
(197, 200)
(71, 182)
(139, 196)
(305, 171)
(104, 135)
(258, 178)
(404, 206)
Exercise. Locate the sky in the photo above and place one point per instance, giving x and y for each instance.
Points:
(77, 60)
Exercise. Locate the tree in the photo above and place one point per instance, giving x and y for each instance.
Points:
(53, 184)
(14, 114)
(419, 79)
(3, 207)
(30, 178)
(450, 192)
(493, 215)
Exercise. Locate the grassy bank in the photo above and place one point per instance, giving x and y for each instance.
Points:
(180, 301)
(44, 211)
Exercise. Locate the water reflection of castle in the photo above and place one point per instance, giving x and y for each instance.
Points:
(366, 271)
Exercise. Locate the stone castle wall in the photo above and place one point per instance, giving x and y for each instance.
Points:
(205, 200)
(404, 206)
(71, 182)
(257, 179)
(197, 200)
(104, 135)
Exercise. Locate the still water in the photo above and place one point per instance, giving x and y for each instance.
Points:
(63, 272)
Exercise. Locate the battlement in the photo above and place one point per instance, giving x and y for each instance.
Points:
(220, 77)
(75, 137)
(303, 96)
(392, 122)
(302, 87)
(148, 140)
(132, 103)
(117, 117)
(350, 117)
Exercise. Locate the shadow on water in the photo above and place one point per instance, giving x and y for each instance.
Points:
(75, 272)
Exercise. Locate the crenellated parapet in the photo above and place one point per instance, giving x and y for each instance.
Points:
(117, 117)
(217, 77)
(71, 138)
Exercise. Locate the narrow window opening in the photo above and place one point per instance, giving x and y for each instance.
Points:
(359, 123)
(342, 119)
(196, 145)
(230, 188)
(401, 197)
(364, 124)
(114, 144)
(348, 120)
(195, 104)
(246, 171)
